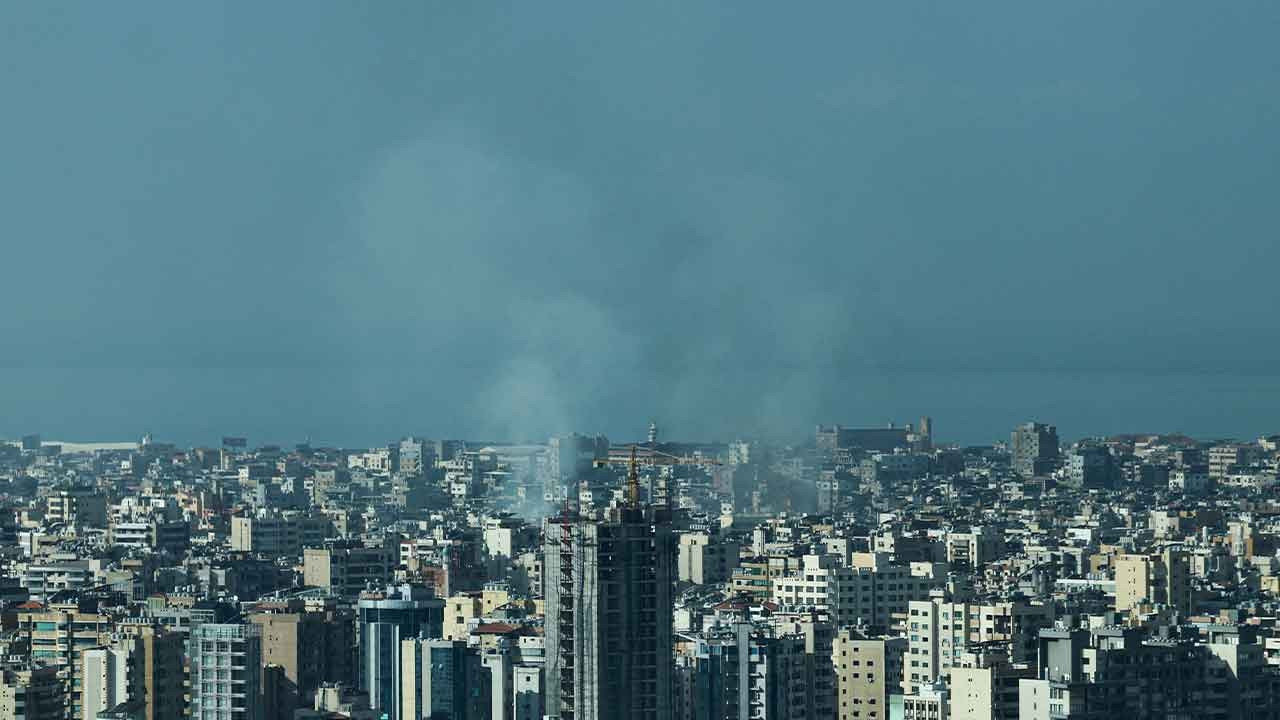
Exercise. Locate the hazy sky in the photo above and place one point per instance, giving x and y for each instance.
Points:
(354, 220)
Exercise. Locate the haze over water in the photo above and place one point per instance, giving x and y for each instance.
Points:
(508, 220)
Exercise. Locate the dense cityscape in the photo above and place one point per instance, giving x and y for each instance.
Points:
(696, 360)
(866, 572)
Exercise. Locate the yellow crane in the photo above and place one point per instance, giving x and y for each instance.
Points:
(653, 457)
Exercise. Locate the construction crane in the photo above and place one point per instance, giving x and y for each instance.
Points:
(654, 457)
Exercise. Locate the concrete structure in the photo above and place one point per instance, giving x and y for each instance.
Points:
(156, 677)
(987, 691)
(1116, 673)
(749, 671)
(276, 533)
(416, 457)
(870, 589)
(104, 680)
(1224, 459)
(830, 438)
(569, 457)
(608, 588)
(226, 672)
(940, 634)
(968, 549)
(775, 678)
(59, 638)
(705, 559)
(311, 647)
(31, 694)
(867, 671)
(76, 506)
(386, 619)
(1091, 466)
(755, 576)
(441, 679)
(1034, 448)
(1161, 578)
(44, 579)
(347, 569)
(528, 693)
(930, 702)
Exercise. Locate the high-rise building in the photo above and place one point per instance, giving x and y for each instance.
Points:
(311, 647)
(868, 670)
(385, 620)
(759, 671)
(1034, 448)
(272, 532)
(156, 677)
(776, 672)
(104, 680)
(441, 679)
(1114, 672)
(942, 634)
(608, 586)
(226, 671)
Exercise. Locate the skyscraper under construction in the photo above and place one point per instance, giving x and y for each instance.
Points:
(608, 586)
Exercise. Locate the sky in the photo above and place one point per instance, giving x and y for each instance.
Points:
(348, 222)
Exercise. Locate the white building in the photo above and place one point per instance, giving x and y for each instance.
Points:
(871, 589)
(104, 680)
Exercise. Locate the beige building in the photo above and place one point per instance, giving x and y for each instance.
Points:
(346, 569)
(461, 609)
(59, 636)
(1161, 578)
(867, 671)
(310, 640)
(157, 679)
(293, 641)
(987, 692)
(1223, 458)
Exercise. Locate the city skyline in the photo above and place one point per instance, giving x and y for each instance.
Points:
(696, 360)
